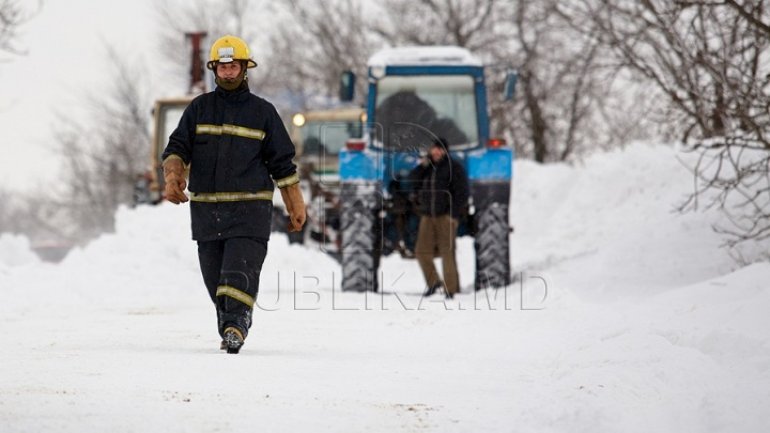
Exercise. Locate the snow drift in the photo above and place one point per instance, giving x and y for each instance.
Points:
(16, 251)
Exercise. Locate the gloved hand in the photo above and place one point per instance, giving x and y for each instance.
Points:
(174, 175)
(295, 205)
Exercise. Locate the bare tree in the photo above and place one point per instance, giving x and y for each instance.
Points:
(20, 213)
(563, 82)
(215, 17)
(474, 24)
(8, 212)
(317, 42)
(12, 17)
(569, 84)
(32, 215)
(102, 158)
(710, 61)
(326, 38)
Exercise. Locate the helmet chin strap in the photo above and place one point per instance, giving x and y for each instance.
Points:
(231, 84)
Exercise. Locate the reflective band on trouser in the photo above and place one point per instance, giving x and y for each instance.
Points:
(287, 181)
(236, 294)
(227, 129)
(219, 197)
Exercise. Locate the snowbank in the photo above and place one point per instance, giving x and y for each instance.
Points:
(610, 227)
(15, 251)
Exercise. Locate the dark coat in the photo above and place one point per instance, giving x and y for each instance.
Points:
(235, 142)
(442, 188)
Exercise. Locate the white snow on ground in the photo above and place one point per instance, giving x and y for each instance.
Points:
(626, 317)
(15, 251)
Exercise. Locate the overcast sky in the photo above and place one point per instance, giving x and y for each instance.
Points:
(65, 55)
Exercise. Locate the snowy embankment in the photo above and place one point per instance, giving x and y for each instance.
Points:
(626, 317)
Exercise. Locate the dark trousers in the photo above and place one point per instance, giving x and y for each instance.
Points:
(231, 269)
(437, 237)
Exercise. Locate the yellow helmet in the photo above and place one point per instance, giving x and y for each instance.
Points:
(229, 48)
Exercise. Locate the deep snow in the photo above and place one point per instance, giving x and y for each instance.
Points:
(626, 316)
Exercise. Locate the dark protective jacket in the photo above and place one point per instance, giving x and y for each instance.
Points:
(442, 188)
(236, 146)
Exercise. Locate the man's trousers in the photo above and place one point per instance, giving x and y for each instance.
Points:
(231, 269)
(436, 237)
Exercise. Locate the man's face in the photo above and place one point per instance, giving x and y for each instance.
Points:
(229, 71)
(436, 153)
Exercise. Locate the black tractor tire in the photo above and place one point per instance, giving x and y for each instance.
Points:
(280, 224)
(297, 237)
(279, 221)
(359, 230)
(492, 244)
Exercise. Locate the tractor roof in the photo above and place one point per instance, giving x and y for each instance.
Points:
(424, 55)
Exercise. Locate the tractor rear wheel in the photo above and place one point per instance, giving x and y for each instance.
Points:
(493, 268)
(360, 239)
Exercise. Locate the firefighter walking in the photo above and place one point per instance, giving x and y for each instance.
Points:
(235, 148)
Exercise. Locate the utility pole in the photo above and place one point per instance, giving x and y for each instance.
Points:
(197, 83)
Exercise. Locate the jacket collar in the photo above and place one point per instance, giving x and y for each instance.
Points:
(237, 95)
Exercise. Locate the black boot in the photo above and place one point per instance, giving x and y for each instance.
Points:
(431, 290)
(233, 339)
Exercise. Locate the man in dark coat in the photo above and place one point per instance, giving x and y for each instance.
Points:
(442, 194)
(236, 149)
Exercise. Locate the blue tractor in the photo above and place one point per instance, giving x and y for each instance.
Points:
(415, 95)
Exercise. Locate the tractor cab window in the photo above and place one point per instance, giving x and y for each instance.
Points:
(413, 110)
(328, 137)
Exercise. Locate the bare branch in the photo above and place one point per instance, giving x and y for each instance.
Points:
(12, 17)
